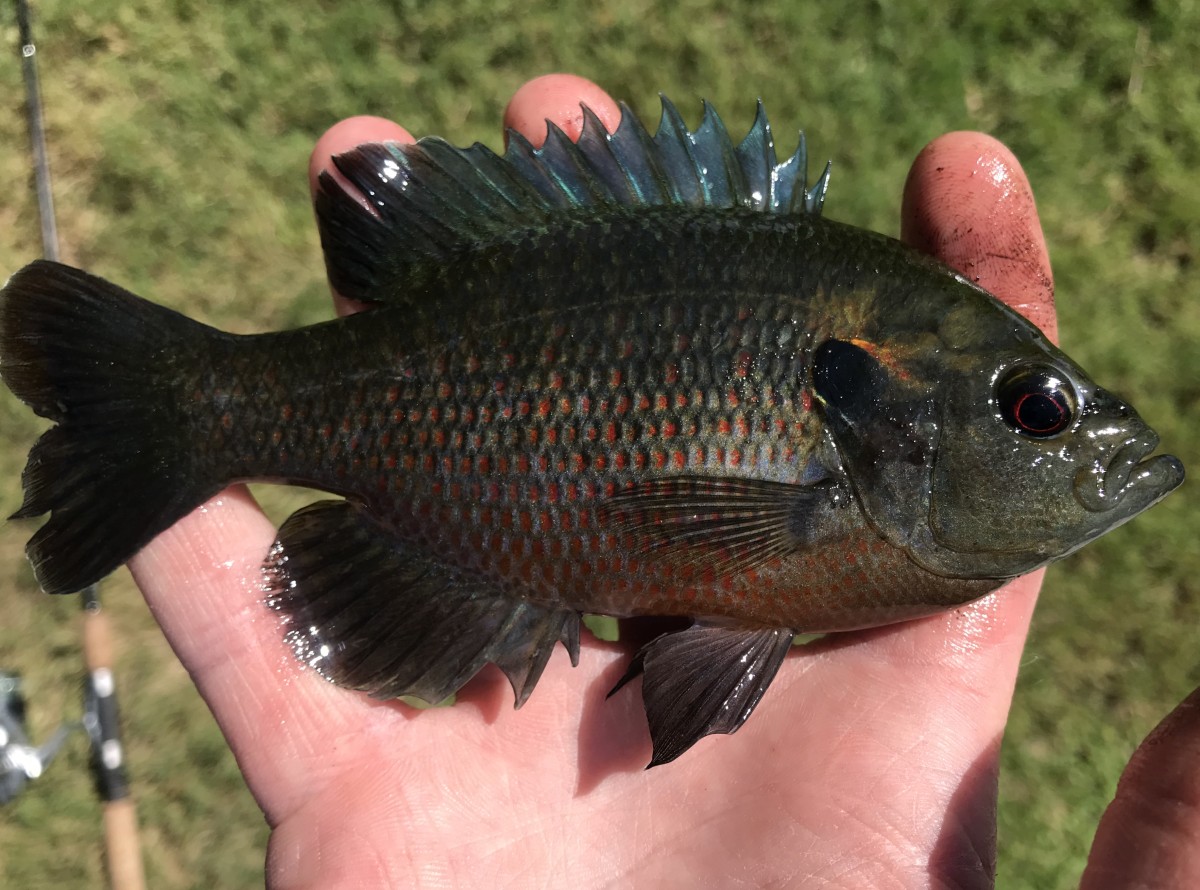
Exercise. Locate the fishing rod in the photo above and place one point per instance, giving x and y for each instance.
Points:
(20, 759)
(100, 717)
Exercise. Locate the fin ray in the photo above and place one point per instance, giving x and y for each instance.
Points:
(704, 680)
(723, 526)
(432, 201)
(118, 467)
(370, 613)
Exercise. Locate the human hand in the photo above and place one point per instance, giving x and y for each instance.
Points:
(872, 760)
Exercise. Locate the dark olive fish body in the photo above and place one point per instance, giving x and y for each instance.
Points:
(493, 447)
(640, 376)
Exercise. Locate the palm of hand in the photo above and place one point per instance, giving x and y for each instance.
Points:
(871, 760)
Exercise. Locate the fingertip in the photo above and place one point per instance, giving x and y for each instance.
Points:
(968, 202)
(554, 97)
(203, 581)
(1150, 834)
(558, 98)
(959, 175)
(348, 134)
(338, 139)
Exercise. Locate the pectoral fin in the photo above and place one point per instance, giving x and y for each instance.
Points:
(723, 526)
(704, 680)
(372, 613)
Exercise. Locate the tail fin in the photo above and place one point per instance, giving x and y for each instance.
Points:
(105, 366)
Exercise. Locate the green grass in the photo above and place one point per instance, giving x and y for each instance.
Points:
(179, 136)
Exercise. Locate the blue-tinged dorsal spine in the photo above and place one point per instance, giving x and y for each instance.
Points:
(432, 202)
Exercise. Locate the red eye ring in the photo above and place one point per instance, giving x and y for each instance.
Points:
(1037, 401)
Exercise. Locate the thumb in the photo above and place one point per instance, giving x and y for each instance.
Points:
(1150, 834)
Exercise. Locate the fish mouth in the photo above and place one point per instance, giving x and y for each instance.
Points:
(1130, 479)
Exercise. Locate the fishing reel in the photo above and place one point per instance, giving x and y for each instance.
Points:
(20, 760)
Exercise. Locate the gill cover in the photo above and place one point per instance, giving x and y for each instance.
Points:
(1037, 462)
(976, 445)
(885, 428)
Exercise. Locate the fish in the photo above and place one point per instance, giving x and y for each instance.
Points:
(633, 375)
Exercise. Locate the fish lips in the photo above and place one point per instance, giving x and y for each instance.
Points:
(1129, 481)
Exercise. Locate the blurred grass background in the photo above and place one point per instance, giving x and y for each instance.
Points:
(179, 132)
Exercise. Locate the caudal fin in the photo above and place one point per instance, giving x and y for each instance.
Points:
(105, 365)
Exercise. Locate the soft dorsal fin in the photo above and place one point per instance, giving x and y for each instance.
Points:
(434, 203)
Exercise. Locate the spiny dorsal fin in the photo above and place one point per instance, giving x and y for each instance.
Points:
(435, 203)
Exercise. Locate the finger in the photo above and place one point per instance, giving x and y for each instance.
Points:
(1150, 833)
(552, 97)
(289, 728)
(340, 138)
(202, 579)
(968, 202)
(558, 98)
(348, 134)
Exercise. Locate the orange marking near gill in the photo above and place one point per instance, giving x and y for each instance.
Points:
(884, 356)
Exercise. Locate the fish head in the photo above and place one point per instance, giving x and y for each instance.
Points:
(982, 449)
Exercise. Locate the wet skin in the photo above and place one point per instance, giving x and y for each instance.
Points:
(874, 763)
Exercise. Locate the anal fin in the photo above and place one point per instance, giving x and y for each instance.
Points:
(704, 680)
(372, 613)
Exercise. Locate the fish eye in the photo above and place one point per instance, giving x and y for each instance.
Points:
(1037, 401)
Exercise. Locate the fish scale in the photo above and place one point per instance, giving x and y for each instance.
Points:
(635, 376)
(494, 452)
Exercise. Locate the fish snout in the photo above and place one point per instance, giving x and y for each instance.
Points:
(1126, 472)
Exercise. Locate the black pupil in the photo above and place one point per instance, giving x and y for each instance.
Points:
(1036, 402)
